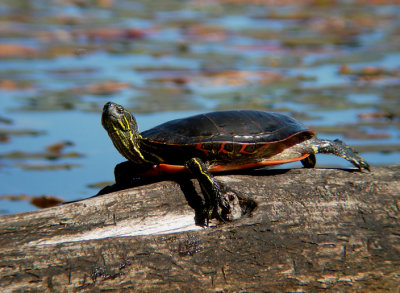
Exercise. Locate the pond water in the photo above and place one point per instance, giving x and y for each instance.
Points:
(335, 65)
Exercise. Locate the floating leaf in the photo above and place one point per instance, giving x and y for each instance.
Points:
(12, 197)
(10, 50)
(100, 185)
(52, 152)
(57, 148)
(235, 78)
(350, 131)
(109, 33)
(368, 73)
(378, 148)
(5, 120)
(11, 85)
(378, 115)
(40, 201)
(39, 155)
(45, 201)
(21, 132)
(107, 87)
(45, 167)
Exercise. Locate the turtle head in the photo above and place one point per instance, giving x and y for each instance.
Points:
(122, 128)
(116, 119)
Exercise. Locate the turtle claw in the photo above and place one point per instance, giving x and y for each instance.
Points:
(211, 212)
(363, 165)
(360, 163)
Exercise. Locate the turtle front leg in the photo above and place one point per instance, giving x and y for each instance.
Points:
(210, 188)
(126, 174)
(338, 148)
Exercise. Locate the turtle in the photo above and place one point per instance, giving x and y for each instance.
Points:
(219, 141)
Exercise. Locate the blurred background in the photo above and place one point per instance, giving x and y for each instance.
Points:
(335, 65)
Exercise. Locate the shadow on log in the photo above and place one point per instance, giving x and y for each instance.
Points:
(313, 229)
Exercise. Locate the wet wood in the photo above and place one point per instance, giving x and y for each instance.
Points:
(313, 229)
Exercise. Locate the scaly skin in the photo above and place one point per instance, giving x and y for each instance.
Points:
(334, 147)
(149, 158)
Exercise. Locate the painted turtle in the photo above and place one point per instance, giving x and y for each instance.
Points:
(215, 142)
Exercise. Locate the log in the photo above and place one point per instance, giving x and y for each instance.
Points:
(312, 230)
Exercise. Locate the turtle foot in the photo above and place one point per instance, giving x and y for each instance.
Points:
(352, 156)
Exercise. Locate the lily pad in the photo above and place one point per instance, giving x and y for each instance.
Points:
(14, 50)
(378, 148)
(163, 99)
(12, 85)
(46, 201)
(48, 167)
(350, 58)
(100, 185)
(52, 152)
(39, 155)
(50, 101)
(351, 132)
(4, 120)
(21, 132)
(40, 201)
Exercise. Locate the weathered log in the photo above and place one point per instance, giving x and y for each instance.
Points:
(312, 229)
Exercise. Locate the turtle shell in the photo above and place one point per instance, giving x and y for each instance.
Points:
(226, 140)
(241, 126)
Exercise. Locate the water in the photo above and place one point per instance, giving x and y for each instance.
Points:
(178, 59)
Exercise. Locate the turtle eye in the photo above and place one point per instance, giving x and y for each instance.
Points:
(120, 110)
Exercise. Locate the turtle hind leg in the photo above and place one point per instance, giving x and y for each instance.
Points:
(338, 148)
(309, 162)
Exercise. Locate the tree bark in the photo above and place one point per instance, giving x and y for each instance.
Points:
(312, 230)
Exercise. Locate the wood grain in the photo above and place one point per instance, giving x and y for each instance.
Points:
(312, 230)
